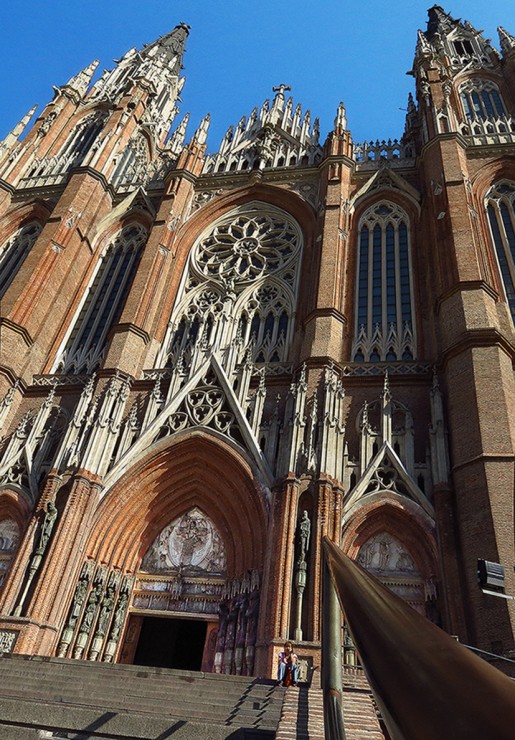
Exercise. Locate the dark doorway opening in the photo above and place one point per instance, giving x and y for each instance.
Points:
(171, 643)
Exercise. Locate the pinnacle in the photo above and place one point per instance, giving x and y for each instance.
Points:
(506, 40)
(169, 47)
(439, 21)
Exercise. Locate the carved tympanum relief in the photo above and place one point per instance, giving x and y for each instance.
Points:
(190, 542)
(385, 554)
(388, 559)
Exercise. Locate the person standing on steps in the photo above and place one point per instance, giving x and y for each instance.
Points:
(288, 666)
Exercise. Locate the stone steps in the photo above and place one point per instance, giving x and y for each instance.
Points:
(83, 700)
(118, 701)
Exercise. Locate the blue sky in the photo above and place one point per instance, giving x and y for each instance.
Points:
(237, 50)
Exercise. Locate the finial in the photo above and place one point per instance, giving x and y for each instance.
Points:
(424, 48)
(201, 133)
(280, 89)
(340, 122)
(386, 386)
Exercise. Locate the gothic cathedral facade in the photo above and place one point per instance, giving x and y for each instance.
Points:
(209, 361)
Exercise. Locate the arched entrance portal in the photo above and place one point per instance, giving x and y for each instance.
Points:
(177, 596)
(187, 527)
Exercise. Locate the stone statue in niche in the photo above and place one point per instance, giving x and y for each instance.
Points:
(303, 532)
(189, 543)
(47, 527)
(385, 554)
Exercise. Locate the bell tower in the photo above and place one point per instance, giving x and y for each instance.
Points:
(465, 99)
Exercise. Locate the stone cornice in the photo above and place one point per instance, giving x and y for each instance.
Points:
(7, 186)
(324, 313)
(17, 329)
(466, 286)
(132, 328)
(472, 338)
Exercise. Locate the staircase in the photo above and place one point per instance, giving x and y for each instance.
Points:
(58, 698)
(46, 698)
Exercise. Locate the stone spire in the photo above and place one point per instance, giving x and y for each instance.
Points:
(80, 82)
(456, 43)
(13, 136)
(200, 135)
(506, 40)
(440, 22)
(156, 67)
(176, 141)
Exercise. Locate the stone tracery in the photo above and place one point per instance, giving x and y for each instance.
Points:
(240, 284)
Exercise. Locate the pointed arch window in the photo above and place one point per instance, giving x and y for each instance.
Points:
(240, 287)
(384, 329)
(14, 252)
(82, 139)
(481, 100)
(500, 206)
(85, 347)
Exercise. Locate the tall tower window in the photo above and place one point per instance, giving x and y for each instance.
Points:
(481, 100)
(384, 329)
(240, 287)
(85, 347)
(14, 252)
(500, 206)
(82, 139)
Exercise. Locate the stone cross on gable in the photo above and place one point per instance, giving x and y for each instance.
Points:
(281, 88)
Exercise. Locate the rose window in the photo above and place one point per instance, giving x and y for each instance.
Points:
(247, 247)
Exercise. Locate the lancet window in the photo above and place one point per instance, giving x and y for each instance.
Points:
(481, 100)
(384, 329)
(500, 205)
(239, 288)
(14, 252)
(82, 139)
(85, 347)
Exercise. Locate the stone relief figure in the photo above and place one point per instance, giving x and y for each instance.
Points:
(303, 533)
(91, 608)
(190, 542)
(119, 616)
(193, 533)
(385, 554)
(105, 611)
